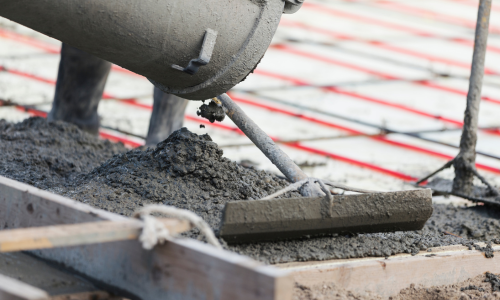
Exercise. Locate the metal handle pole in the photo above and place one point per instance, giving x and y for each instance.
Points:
(467, 155)
(279, 158)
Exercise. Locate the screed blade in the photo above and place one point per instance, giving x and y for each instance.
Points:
(278, 219)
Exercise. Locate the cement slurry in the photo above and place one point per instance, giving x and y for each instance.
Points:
(189, 171)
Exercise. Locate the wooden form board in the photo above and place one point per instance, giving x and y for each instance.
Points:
(13, 289)
(187, 269)
(45, 237)
(181, 269)
(386, 277)
(98, 295)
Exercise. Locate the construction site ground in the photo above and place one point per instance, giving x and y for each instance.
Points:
(338, 77)
(58, 157)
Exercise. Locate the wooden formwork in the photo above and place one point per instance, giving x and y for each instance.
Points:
(189, 269)
(386, 277)
(13, 289)
(180, 269)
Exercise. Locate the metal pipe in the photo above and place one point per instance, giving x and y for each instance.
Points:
(279, 158)
(224, 39)
(463, 181)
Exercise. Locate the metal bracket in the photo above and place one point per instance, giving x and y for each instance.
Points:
(205, 54)
(292, 6)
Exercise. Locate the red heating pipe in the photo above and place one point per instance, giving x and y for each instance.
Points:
(328, 10)
(381, 45)
(425, 13)
(399, 175)
(329, 60)
(134, 102)
(102, 134)
(51, 49)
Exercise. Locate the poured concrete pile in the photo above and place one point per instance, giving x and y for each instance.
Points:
(189, 171)
(47, 154)
(186, 170)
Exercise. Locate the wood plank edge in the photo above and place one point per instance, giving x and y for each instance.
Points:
(386, 277)
(97, 295)
(11, 289)
(61, 199)
(296, 266)
(46, 237)
(283, 281)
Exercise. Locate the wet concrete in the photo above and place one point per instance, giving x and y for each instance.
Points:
(291, 218)
(448, 225)
(189, 171)
(212, 112)
(186, 170)
(47, 154)
(476, 193)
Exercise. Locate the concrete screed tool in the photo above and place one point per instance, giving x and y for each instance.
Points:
(199, 49)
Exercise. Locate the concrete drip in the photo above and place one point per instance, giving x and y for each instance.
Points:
(211, 112)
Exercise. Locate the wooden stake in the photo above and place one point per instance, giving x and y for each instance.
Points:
(79, 234)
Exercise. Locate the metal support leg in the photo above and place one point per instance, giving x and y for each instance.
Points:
(167, 116)
(467, 156)
(80, 84)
